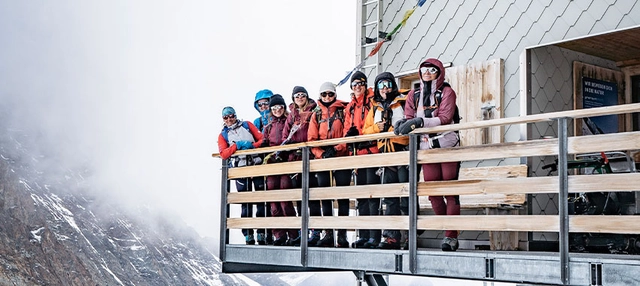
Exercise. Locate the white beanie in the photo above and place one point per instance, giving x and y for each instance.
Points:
(327, 86)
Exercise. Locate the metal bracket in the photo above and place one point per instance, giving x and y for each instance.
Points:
(596, 274)
(490, 268)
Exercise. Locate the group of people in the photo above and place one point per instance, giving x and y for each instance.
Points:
(371, 110)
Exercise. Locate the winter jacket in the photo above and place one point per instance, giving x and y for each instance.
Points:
(442, 115)
(263, 120)
(333, 115)
(299, 118)
(390, 112)
(355, 114)
(226, 149)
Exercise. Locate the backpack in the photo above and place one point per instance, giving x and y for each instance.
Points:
(438, 99)
(225, 130)
(339, 114)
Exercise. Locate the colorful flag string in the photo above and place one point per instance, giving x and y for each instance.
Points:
(382, 41)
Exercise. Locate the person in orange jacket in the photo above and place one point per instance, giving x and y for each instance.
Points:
(328, 123)
(355, 114)
(240, 135)
(387, 108)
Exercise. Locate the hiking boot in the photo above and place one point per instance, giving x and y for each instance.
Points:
(360, 242)
(261, 239)
(313, 240)
(294, 242)
(449, 244)
(343, 242)
(280, 241)
(389, 243)
(327, 240)
(372, 243)
(249, 240)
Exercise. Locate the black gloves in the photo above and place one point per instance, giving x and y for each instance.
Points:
(408, 126)
(353, 131)
(329, 153)
(265, 143)
(397, 125)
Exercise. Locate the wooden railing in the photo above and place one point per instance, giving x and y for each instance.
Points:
(562, 184)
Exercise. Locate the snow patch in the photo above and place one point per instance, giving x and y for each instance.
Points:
(36, 235)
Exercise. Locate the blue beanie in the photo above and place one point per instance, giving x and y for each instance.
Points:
(228, 111)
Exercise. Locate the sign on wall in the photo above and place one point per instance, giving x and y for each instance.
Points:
(599, 93)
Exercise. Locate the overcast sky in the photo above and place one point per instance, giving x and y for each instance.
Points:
(137, 87)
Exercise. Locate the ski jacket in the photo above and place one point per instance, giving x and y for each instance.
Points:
(241, 130)
(389, 112)
(443, 112)
(263, 120)
(274, 130)
(300, 118)
(355, 115)
(328, 125)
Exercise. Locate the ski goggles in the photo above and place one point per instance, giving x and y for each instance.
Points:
(300, 95)
(328, 93)
(358, 83)
(431, 70)
(230, 116)
(277, 107)
(385, 83)
(266, 103)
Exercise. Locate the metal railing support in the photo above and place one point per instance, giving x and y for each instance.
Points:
(304, 232)
(413, 202)
(563, 199)
(224, 210)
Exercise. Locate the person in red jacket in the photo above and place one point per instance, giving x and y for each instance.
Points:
(240, 135)
(355, 115)
(434, 104)
(273, 136)
(327, 122)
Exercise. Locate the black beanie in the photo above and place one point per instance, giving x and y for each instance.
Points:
(276, 99)
(359, 75)
(297, 89)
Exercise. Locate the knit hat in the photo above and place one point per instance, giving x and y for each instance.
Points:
(327, 86)
(297, 89)
(359, 76)
(276, 99)
(228, 111)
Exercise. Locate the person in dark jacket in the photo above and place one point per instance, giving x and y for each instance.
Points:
(387, 108)
(240, 135)
(434, 104)
(273, 134)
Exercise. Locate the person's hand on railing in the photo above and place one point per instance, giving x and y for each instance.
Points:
(396, 126)
(244, 145)
(409, 125)
(353, 131)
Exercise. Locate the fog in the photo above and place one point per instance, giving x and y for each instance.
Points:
(134, 89)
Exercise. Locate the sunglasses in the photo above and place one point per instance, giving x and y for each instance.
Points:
(384, 83)
(328, 93)
(277, 107)
(358, 83)
(230, 116)
(431, 70)
(300, 95)
(263, 103)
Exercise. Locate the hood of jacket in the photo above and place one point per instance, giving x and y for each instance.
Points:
(394, 90)
(263, 94)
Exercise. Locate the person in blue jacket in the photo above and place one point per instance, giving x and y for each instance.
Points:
(261, 104)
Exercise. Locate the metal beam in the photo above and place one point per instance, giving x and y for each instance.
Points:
(304, 232)
(413, 202)
(563, 198)
(224, 209)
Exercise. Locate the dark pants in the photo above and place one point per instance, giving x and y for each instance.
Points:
(395, 206)
(368, 207)
(323, 179)
(285, 208)
(262, 209)
(443, 172)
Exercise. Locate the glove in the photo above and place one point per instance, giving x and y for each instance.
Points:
(257, 160)
(353, 131)
(330, 152)
(265, 143)
(244, 145)
(397, 125)
(410, 125)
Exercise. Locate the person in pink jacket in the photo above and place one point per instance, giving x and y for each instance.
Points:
(433, 104)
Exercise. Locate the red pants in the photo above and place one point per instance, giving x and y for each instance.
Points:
(443, 172)
(281, 208)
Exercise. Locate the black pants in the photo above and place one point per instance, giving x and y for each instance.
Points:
(368, 207)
